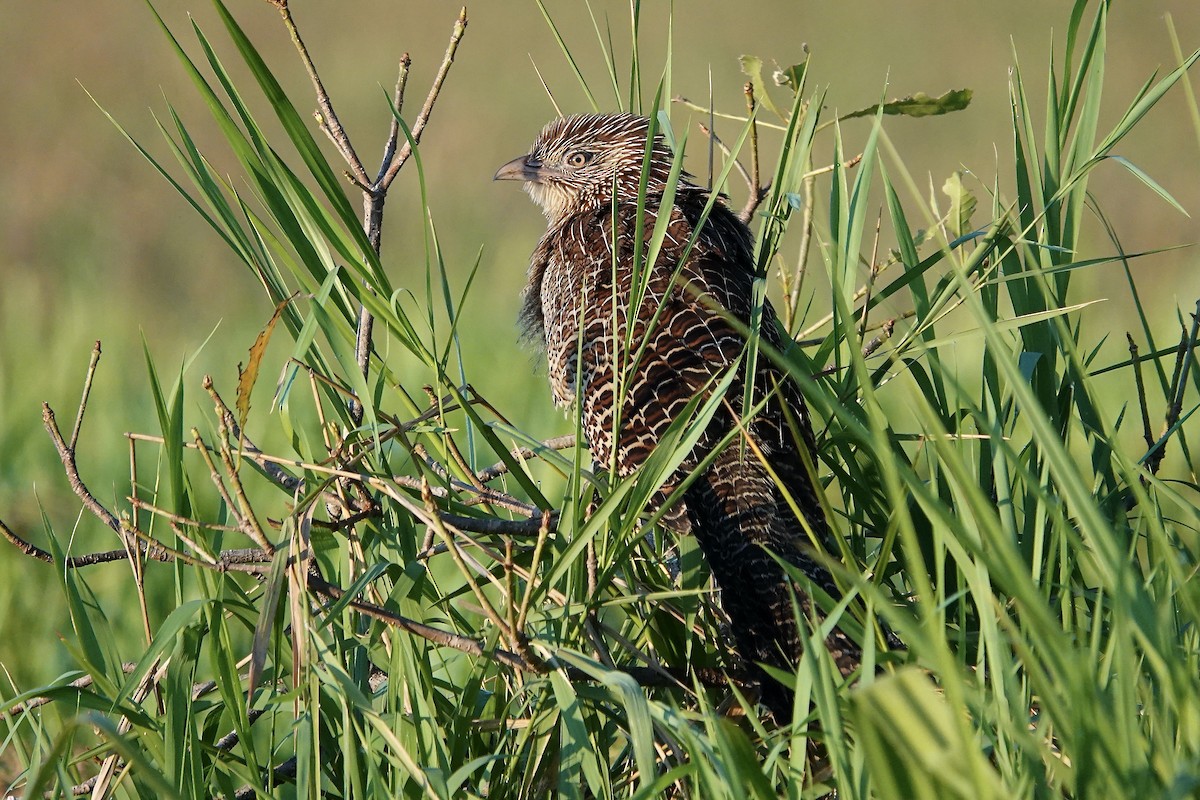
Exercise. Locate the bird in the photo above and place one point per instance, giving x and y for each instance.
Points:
(604, 181)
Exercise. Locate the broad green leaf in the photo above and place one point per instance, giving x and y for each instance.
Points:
(918, 105)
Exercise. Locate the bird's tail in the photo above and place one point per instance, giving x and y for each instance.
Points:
(738, 515)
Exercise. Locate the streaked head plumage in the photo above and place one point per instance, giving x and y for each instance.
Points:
(577, 163)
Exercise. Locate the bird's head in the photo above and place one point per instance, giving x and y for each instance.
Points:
(578, 163)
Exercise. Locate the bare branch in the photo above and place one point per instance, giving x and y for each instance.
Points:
(886, 333)
(712, 136)
(137, 502)
(87, 390)
(757, 192)
(328, 120)
(254, 530)
(284, 772)
(501, 468)
(66, 454)
(1184, 356)
(273, 471)
(405, 152)
(389, 149)
(495, 525)
(71, 562)
(869, 348)
(792, 295)
(78, 683)
(849, 163)
(439, 637)
(1141, 391)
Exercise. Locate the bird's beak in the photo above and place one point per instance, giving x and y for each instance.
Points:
(522, 168)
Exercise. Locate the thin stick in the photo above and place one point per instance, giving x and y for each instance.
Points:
(543, 534)
(87, 390)
(712, 136)
(870, 347)
(488, 609)
(139, 503)
(444, 638)
(500, 468)
(71, 562)
(66, 455)
(756, 191)
(1141, 390)
(806, 231)
(329, 121)
(1189, 358)
(866, 306)
(389, 149)
(849, 163)
(403, 154)
(1159, 449)
(254, 530)
(273, 471)
(697, 107)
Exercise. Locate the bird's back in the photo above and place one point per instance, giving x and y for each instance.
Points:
(688, 331)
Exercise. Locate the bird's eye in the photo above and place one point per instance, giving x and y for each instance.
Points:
(578, 158)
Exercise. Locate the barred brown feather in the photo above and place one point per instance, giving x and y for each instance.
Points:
(585, 173)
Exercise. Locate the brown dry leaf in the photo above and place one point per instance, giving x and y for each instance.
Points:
(249, 375)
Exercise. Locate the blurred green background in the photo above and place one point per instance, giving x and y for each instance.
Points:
(93, 245)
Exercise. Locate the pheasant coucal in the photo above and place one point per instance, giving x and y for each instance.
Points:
(584, 172)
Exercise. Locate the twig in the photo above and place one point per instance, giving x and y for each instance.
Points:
(712, 136)
(806, 229)
(757, 192)
(439, 637)
(137, 502)
(345, 522)
(868, 349)
(1189, 359)
(241, 560)
(408, 482)
(79, 683)
(234, 509)
(247, 446)
(488, 495)
(66, 455)
(403, 154)
(283, 772)
(849, 163)
(389, 149)
(461, 461)
(71, 562)
(501, 468)
(148, 547)
(87, 390)
(870, 284)
(543, 534)
(1158, 451)
(1141, 390)
(328, 120)
(497, 526)
(231, 739)
(816, 340)
(254, 530)
(697, 107)
(455, 553)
